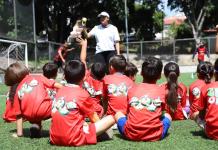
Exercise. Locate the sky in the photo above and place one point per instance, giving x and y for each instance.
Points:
(167, 10)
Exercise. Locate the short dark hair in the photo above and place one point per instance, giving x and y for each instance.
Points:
(131, 69)
(50, 70)
(98, 70)
(151, 69)
(74, 71)
(118, 62)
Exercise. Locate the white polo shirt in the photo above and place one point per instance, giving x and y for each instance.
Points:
(105, 37)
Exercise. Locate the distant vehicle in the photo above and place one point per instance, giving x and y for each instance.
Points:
(131, 38)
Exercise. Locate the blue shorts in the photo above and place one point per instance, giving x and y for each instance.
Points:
(120, 125)
(166, 125)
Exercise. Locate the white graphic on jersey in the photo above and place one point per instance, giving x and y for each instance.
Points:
(196, 92)
(118, 90)
(27, 88)
(145, 102)
(63, 107)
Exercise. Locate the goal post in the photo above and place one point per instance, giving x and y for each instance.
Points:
(12, 51)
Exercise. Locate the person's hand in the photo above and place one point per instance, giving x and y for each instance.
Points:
(193, 60)
(63, 61)
(16, 136)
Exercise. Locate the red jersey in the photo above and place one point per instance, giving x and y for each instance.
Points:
(115, 91)
(182, 92)
(201, 51)
(9, 114)
(63, 52)
(32, 100)
(145, 105)
(209, 103)
(95, 89)
(194, 94)
(69, 109)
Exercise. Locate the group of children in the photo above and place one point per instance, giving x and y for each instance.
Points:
(142, 112)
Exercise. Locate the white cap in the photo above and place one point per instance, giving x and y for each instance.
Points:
(103, 13)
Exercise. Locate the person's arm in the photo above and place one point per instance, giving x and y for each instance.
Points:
(117, 46)
(207, 52)
(70, 49)
(195, 52)
(58, 85)
(19, 123)
(61, 56)
(91, 33)
(94, 117)
(83, 53)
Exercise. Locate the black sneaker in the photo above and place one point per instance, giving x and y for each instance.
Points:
(35, 131)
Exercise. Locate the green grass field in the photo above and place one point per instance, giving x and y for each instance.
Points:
(182, 134)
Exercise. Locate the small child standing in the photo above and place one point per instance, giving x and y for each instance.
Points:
(116, 86)
(71, 108)
(29, 97)
(208, 106)
(204, 73)
(175, 92)
(145, 120)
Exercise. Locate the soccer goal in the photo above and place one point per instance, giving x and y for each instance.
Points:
(12, 51)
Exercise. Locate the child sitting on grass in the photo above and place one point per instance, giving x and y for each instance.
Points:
(29, 97)
(71, 106)
(175, 92)
(50, 72)
(116, 86)
(93, 79)
(208, 107)
(145, 120)
(131, 71)
(205, 72)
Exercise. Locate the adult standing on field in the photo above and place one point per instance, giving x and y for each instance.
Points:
(107, 39)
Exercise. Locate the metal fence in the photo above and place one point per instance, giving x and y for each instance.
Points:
(41, 53)
(172, 47)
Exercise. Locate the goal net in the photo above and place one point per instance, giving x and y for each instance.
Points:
(12, 51)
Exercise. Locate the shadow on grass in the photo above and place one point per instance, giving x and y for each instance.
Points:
(200, 133)
(123, 138)
(26, 133)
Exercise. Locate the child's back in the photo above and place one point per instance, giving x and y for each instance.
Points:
(146, 102)
(116, 87)
(68, 117)
(178, 114)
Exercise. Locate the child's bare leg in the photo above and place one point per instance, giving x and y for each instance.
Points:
(118, 116)
(104, 124)
(19, 124)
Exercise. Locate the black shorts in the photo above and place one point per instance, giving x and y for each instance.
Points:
(104, 57)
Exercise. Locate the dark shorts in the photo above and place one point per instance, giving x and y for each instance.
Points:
(166, 125)
(104, 57)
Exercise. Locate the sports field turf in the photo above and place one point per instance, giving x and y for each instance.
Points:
(182, 135)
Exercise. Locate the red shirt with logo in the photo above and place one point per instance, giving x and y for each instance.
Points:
(115, 91)
(95, 88)
(32, 100)
(194, 94)
(9, 114)
(145, 105)
(209, 103)
(69, 110)
(182, 92)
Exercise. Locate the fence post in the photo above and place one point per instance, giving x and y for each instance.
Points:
(35, 50)
(208, 41)
(141, 48)
(174, 49)
(49, 51)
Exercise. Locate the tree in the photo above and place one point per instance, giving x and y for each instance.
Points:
(146, 18)
(196, 11)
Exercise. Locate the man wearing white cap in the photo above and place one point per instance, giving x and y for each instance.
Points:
(107, 39)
